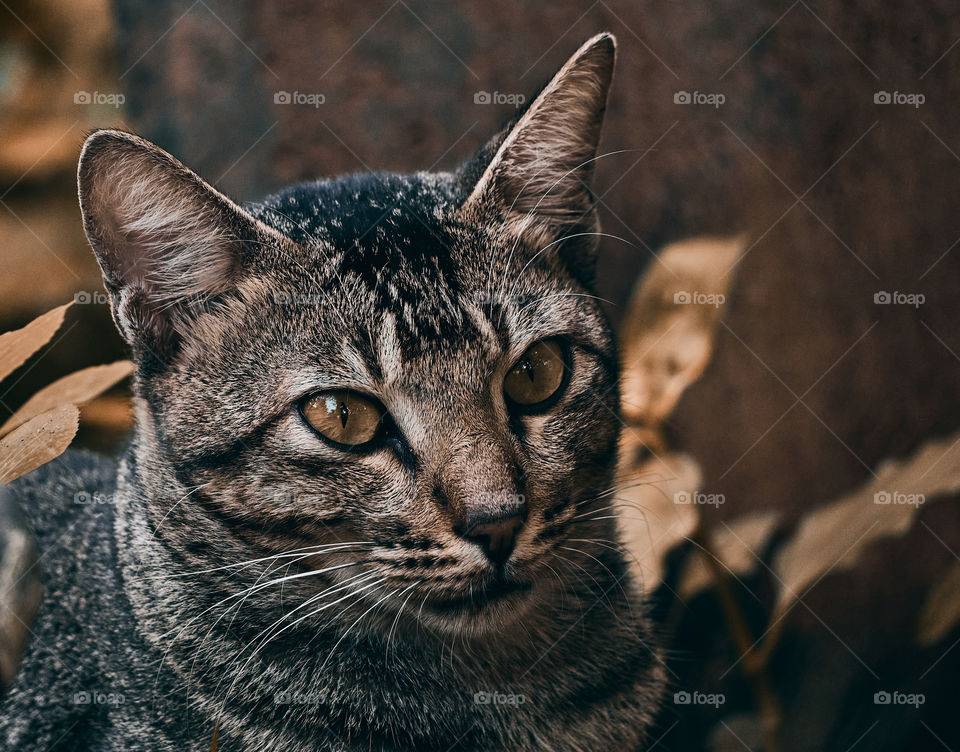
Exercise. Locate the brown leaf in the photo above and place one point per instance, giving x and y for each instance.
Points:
(37, 441)
(77, 389)
(737, 545)
(20, 344)
(941, 612)
(652, 513)
(833, 537)
(670, 323)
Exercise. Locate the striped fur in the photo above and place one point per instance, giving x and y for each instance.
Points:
(303, 597)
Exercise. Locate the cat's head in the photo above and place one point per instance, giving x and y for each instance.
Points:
(406, 377)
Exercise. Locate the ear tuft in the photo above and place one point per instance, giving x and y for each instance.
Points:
(539, 178)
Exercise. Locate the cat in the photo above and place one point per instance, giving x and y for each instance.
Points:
(367, 502)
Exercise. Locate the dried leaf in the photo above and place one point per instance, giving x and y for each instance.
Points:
(833, 537)
(110, 414)
(20, 344)
(37, 441)
(941, 612)
(654, 514)
(77, 389)
(670, 323)
(737, 545)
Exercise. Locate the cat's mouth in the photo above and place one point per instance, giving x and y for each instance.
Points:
(497, 592)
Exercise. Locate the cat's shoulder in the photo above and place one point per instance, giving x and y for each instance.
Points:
(57, 495)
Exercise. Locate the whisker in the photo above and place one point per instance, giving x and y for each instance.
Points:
(275, 635)
(319, 548)
(256, 588)
(560, 240)
(527, 219)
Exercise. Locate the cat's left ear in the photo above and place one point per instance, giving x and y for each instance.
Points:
(166, 240)
(539, 179)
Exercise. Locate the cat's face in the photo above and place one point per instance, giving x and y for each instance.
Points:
(403, 380)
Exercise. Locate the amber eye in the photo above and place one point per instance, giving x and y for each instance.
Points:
(537, 376)
(343, 417)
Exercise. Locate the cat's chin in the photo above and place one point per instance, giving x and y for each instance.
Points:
(491, 608)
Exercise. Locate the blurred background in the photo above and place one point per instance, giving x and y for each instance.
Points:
(825, 131)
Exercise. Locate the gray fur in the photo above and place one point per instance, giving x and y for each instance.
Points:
(421, 290)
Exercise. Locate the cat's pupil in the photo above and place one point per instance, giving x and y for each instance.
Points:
(344, 417)
(537, 375)
(528, 368)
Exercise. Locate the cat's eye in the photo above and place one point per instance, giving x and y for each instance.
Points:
(538, 376)
(345, 418)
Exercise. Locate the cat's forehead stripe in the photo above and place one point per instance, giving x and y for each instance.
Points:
(387, 350)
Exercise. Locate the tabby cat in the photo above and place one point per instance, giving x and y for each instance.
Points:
(367, 501)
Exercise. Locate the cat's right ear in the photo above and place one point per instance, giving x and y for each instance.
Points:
(166, 240)
(538, 172)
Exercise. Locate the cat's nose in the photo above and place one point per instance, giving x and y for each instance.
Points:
(496, 537)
